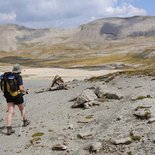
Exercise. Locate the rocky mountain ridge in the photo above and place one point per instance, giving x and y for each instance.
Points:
(98, 31)
(101, 42)
(117, 28)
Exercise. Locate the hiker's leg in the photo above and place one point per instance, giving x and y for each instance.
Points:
(23, 115)
(10, 113)
(22, 110)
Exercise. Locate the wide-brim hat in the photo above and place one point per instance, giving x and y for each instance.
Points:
(16, 68)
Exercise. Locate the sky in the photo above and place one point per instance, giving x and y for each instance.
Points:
(69, 13)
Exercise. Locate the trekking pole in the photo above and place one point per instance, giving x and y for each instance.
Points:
(21, 123)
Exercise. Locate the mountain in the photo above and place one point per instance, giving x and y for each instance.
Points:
(114, 28)
(82, 46)
(14, 36)
(117, 28)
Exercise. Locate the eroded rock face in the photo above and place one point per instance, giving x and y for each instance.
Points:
(116, 28)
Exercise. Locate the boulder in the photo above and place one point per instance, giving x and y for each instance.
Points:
(113, 96)
(102, 91)
(86, 96)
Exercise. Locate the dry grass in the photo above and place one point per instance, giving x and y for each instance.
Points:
(85, 61)
(86, 55)
(130, 72)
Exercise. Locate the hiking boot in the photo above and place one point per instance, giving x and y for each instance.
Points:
(26, 122)
(9, 130)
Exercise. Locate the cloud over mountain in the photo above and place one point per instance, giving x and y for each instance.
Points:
(63, 13)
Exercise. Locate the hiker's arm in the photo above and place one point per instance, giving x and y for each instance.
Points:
(21, 88)
(20, 84)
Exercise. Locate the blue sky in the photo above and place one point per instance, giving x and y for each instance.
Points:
(148, 5)
(69, 13)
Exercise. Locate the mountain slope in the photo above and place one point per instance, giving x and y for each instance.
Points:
(107, 40)
(13, 36)
(116, 28)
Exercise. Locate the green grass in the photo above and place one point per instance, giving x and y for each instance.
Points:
(38, 134)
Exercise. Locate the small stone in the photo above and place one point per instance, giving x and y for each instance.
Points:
(135, 136)
(70, 126)
(86, 105)
(126, 141)
(142, 114)
(119, 118)
(59, 147)
(86, 120)
(95, 147)
(151, 120)
(84, 135)
(96, 103)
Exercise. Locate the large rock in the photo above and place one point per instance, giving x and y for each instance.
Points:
(86, 96)
(103, 92)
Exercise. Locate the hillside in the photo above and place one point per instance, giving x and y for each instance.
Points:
(98, 43)
(111, 126)
(115, 28)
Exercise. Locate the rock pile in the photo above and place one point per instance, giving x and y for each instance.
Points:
(90, 97)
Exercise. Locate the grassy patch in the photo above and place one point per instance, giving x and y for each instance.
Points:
(38, 134)
(130, 72)
(86, 55)
(143, 97)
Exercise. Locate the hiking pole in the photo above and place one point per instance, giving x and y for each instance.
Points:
(21, 123)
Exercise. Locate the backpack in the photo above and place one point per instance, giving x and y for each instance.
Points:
(9, 84)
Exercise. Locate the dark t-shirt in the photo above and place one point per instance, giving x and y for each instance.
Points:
(19, 79)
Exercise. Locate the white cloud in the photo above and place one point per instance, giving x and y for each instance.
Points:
(124, 10)
(64, 12)
(7, 16)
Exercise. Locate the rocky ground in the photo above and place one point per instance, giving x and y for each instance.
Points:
(114, 115)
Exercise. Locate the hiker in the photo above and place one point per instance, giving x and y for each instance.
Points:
(57, 84)
(13, 89)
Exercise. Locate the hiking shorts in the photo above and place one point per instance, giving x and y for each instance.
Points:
(18, 100)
